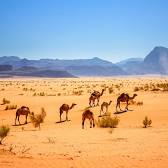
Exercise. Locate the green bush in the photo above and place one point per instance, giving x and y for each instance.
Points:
(108, 122)
(4, 130)
(147, 122)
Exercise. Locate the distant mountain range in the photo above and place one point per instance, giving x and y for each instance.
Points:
(156, 62)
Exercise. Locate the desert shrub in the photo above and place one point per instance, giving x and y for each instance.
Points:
(136, 89)
(4, 130)
(108, 121)
(41, 94)
(147, 122)
(110, 90)
(5, 101)
(10, 107)
(38, 118)
(139, 103)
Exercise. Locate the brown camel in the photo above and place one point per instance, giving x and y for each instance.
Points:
(124, 98)
(87, 114)
(106, 105)
(95, 96)
(22, 111)
(66, 108)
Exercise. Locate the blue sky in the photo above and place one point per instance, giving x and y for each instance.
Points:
(69, 29)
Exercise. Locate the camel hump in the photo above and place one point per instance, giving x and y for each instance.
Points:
(24, 107)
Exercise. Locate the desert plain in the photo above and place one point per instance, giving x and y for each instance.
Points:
(66, 144)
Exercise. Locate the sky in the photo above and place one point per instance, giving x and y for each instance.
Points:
(71, 29)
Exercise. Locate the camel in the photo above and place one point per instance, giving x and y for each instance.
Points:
(106, 105)
(124, 97)
(95, 96)
(87, 114)
(66, 108)
(22, 111)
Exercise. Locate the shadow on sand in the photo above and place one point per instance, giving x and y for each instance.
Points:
(21, 124)
(124, 111)
(104, 115)
(61, 121)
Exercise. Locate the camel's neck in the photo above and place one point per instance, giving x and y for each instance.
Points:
(109, 103)
(102, 93)
(132, 97)
(71, 106)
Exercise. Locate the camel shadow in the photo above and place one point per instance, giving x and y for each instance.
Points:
(104, 115)
(124, 111)
(16, 125)
(61, 121)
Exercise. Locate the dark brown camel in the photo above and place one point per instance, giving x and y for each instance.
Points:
(87, 114)
(66, 108)
(124, 98)
(95, 96)
(106, 105)
(22, 111)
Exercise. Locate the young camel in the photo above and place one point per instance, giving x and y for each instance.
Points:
(106, 105)
(22, 111)
(66, 108)
(87, 114)
(124, 98)
(95, 96)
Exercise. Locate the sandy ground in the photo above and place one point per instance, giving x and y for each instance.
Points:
(66, 144)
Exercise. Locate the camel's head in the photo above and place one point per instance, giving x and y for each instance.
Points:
(110, 101)
(74, 104)
(135, 95)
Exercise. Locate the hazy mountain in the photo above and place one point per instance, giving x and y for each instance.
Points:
(131, 65)
(80, 67)
(38, 73)
(156, 62)
(95, 70)
(127, 61)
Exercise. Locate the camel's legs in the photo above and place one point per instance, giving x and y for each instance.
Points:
(98, 101)
(18, 119)
(120, 106)
(126, 106)
(26, 119)
(83, 122)
(60, 115)
(90, 123)
(67, 115)
(90, 102)
(106, 109)
(93, 122)
(117, 105)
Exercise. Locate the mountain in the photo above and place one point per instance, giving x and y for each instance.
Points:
(131, 65)
(95, 70)
(38, 73)
(127, 61)
(80, 67)
(156, 62)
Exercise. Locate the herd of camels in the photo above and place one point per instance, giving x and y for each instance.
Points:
(87, 114)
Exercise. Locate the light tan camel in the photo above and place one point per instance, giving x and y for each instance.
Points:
(124, 97)
(87, 114)
(22, 111)
(66, 108)
(95, 96)
(106, 105)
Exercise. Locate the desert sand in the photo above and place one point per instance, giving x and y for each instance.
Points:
(66, 144)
